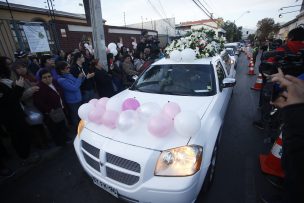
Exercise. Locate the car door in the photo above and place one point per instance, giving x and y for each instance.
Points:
(224, 93)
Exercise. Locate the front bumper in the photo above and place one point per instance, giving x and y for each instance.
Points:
(137, 186)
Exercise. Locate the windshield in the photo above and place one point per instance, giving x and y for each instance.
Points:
(177, 79)
(230, 52)
(233, 47)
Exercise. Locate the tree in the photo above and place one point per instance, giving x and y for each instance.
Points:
(251, 38)
(233, 33)
(267, 28)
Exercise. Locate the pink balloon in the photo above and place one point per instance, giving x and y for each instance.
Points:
(102, 102)
(171, 109)
(96, 115)
(109, 118)
(130, 104)
(160, 125)
(93, 101)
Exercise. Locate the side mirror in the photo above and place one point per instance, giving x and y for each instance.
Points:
(228, 82)
(134, 77)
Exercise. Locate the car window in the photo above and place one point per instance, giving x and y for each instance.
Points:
(220, 74)
(230, 52)
(177, 79)
(233, 47)
(227, 61)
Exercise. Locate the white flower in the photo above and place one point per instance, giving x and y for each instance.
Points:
(197, 38)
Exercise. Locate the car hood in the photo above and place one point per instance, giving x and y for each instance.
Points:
(138, 135)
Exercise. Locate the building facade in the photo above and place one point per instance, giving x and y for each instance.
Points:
(164, 27)
(65, 32)
(286, 27)
(210, 24)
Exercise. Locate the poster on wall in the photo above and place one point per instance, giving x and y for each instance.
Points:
(36, 38)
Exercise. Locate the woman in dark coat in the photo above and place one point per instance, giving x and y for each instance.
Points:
(12, 116)
(48, 99)
(103, 80)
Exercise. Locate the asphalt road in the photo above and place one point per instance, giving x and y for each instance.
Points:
(238, 178)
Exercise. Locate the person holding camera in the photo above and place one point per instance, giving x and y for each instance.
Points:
(291, 102)
(294, 43)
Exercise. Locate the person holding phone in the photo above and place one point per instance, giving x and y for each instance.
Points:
(71, 90)
(291, 102)
(88, 85)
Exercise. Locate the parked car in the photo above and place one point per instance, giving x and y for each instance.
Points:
(234, 46)
(137, 166)
(232, 55)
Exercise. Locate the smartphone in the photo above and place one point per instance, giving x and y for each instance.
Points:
(276, 92)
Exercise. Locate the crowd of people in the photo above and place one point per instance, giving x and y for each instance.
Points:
(40, 95)
(281, 104)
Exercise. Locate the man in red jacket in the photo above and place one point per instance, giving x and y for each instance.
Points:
(295, 41)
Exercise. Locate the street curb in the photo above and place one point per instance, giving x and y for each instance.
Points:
(22, 170)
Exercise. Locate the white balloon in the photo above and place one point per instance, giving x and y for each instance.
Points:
(188, 55)
(112, 45)
(126, 119)
(119, 45)
(114, 104)
(148, 110)
(84, 111)
(114, 52)
(175, 55)
(187, 123)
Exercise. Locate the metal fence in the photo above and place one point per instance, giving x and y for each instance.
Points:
(12, 36)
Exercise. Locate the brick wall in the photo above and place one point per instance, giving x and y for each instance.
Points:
(72, 39)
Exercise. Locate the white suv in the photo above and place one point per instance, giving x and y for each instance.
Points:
(136, 166)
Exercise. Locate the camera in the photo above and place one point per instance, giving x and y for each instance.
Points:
(290, 64)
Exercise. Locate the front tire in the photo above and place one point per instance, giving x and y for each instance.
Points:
(211, 170)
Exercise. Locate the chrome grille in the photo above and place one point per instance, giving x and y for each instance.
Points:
(90, 149)
(121, 177)
(115, 174)
(94, 164)
(123, 163)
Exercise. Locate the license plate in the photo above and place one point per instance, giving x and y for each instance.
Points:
(106, 187)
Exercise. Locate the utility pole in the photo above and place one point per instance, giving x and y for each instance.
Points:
(98, 32)
(125, 19)
(142, 23)
(53, 24)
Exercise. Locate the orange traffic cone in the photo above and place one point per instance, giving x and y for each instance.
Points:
(271, 163)
(251, 64)
(258, 83)
(251, 71)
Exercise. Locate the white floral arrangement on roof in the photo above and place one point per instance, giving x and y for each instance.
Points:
(203, 42)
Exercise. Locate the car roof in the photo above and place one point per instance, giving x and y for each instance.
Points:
(166, 61)
(231, 44)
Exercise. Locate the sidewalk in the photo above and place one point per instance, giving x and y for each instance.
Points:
(19, 167)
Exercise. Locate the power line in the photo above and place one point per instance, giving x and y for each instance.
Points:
(204, 8)
(162, 18)
(162, 8)
(205, 11)
(211, 6)
(206, 4)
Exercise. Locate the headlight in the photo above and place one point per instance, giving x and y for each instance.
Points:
(232, 61)
(80, 127)
(181, 161)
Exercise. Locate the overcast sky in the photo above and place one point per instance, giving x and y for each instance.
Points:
(183, 10)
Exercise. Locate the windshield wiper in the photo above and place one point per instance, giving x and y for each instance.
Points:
(136, 89)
